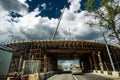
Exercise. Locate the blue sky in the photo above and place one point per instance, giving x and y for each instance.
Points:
(37, 20)
(68, 63)
(50, 7)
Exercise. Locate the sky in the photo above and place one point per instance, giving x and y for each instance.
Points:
(38, 19)
(68, 63)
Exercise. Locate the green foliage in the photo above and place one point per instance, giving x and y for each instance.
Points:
(118, 31)
(118, 9)
(107, 18)
(90, 5)
(104, 2)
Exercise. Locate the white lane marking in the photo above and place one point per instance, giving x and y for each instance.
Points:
(82, 78)
(75, 78)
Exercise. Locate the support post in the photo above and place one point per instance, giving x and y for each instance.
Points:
(94, 60)
(45, 62)
(91, 66)
(20, 62)
(100, 61)
(106, 66)
(80, 64)
(109, 54)
(55, 65)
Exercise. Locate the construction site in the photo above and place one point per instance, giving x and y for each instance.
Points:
(40, 57)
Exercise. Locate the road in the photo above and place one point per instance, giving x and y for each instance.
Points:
(90, 77)
(62, 77)
(78, 77)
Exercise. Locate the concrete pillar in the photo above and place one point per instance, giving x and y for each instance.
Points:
(49, 64)
(100, 61)
(20, 63)
(82, 65)
(90, 61)
(45, 62)
(94, 60)
(55, 64)
(42, 61)
(32, 58)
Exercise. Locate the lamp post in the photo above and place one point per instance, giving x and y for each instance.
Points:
(108, 51)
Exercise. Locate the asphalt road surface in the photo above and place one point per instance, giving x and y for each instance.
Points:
(78, 77)
(62, 77)
(90, 77)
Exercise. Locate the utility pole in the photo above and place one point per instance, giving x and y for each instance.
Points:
(108, 51)
(53, 37)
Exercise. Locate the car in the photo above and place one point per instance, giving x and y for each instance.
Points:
(76, 71)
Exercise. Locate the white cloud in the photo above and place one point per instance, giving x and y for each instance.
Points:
(76, 23)
(31, 27)
(22, 1)
(7, 27)
(75, 5)
(44, 6)
(67, 63)
(13, 5)
(117, 1)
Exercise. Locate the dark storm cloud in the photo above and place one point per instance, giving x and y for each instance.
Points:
(40, 32)
(89, 36)
(12, 5)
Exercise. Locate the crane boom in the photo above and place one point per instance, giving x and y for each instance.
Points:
(53, 37)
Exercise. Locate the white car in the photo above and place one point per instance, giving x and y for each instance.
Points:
(77, 71)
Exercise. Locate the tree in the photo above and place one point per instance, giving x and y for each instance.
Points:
(107, 15)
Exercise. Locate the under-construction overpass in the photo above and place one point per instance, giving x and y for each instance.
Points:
(93, 54)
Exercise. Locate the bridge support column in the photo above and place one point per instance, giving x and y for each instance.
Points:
(81, 64)
(49, 64)
(52, 64)
(91, 65)
(100, 61)
(45, 62)
(94, 61)
(55, 64)
(20, 62)
(41, 57)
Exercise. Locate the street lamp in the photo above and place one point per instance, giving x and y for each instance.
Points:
(108, 51)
